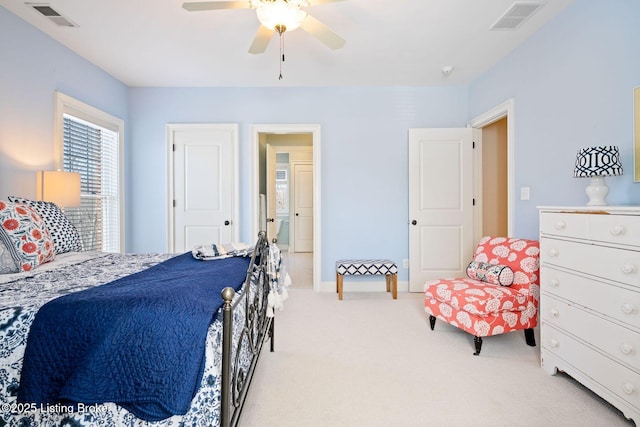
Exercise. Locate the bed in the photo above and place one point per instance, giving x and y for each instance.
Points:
(42, 296)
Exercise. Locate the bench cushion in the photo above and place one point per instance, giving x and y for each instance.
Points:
(364, 267)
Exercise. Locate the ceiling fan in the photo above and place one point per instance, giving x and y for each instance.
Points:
(277, 16)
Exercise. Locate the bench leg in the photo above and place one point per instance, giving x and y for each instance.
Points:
(395, 285)
(339, 286)
(388, 277)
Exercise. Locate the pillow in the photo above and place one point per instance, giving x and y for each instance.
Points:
(491, 273)
(25, 235)
(7, 263)
(64, 234)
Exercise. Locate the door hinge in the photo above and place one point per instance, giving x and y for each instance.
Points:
(473, 145)
(174, 147)
(174, 203)
(474, 202)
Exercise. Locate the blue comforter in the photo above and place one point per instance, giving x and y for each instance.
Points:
(138, 341)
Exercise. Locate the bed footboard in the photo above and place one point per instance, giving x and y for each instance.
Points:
(253, 333)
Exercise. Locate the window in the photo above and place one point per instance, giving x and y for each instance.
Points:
(89, 142)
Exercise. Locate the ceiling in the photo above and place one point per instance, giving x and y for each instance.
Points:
(388, 42)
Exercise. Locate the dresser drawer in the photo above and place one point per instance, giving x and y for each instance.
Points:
(618, 379)
(619, 342)
(617, 229)
(613, 301)
(619, 265)
(606, 228)
(564, 224)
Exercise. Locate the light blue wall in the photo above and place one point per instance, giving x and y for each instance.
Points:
(572, 85)
(32, 67)
(364, 156)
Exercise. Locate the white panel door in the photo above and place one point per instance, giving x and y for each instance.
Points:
(440, 204)
(204, 187)
(303, 207)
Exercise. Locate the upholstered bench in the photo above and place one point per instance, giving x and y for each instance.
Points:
(366, 267)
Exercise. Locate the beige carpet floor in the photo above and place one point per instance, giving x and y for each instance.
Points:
(371, 361)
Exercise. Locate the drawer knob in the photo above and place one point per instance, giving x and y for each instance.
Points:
(555, 283)
(554, 343)
(628, 269)
(626, 348)
(617, 230)
(555, 312)
(553, 252)
(628, 388)
(628, 308)
(560, 225)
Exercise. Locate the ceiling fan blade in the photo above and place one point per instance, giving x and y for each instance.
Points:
(261, 40)
(323, 33)
(214, 5)
(317, 2)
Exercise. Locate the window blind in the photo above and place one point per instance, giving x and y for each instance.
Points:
(92, 151)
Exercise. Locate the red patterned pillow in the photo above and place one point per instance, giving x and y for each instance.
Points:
(25, 235)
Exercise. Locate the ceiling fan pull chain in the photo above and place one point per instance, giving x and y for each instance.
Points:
(281, 53)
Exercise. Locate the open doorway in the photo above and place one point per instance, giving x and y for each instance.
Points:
(494, 179)
(495, 150)
(286, 169)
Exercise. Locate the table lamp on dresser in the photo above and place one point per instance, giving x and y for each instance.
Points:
(596, 163)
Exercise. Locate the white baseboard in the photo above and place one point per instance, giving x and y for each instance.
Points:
(362, 286)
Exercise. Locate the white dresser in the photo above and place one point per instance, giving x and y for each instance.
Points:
(590, 299)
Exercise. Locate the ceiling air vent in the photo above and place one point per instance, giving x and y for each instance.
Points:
(50, 13)
(516, 15)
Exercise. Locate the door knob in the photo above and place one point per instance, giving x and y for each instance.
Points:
(297, 214)
(270, 220)
(414, 222)
(227, 222)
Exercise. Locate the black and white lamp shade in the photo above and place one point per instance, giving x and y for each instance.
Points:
(596, 163)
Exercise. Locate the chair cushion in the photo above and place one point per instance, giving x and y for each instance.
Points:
(476, 297)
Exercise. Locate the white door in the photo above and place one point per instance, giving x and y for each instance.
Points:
(302, 207)
(272, 230)
(440, 204)
(204, 185)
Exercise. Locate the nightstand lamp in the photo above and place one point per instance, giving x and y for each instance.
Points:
(596, 163)
(59, 187)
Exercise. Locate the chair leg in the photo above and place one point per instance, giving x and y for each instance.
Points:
(478, 343)
(529, 337)
(432, 322)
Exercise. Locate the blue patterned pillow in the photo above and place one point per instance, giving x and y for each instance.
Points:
(64, 234)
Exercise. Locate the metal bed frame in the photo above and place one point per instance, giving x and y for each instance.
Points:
(257, 326)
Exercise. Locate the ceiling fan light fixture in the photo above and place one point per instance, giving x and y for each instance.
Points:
(279, 14)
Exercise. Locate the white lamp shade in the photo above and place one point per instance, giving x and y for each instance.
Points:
(61, 188)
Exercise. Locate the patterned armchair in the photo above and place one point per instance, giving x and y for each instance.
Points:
(487, 304)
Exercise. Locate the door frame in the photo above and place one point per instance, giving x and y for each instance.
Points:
(506, 109)
(171, 128)
(314, 130)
